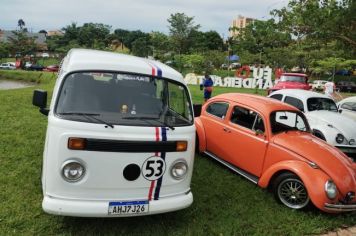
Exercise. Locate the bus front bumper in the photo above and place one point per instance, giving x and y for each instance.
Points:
(94, 208)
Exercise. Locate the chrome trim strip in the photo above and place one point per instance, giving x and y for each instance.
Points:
(346, 148)
(248, 176)
(339, 207)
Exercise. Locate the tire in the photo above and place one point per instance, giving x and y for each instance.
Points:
(319, 134)
(290, 190)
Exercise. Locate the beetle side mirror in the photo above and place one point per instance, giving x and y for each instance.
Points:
(197, 109)
(340, 111)
(39, 99)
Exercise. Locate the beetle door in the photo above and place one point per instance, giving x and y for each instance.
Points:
(214, 123)
(247, 141)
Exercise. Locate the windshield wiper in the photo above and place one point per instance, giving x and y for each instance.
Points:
(145, 118)
(88, 116)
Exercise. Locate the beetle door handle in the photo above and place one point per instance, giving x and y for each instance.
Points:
(227, 130)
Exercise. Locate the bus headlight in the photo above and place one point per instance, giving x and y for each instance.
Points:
(179, 169)
(73, 171)
(339, 138)
(330, 189)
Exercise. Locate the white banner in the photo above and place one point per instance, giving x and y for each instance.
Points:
(261, 78)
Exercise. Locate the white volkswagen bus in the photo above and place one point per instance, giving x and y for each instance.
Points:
(120, 138)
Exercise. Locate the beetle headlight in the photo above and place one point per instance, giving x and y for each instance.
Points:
(352, 142)
(339, 138)
(179, 169)
(330, 189)
(73, 171)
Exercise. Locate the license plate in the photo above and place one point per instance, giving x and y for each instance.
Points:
(128, 208)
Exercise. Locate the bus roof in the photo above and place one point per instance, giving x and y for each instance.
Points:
(95, 60)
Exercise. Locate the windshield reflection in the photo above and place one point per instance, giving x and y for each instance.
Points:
(115, 97)
(326, 104)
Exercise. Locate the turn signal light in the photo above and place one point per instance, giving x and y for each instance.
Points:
(181, 146)
(76, 143)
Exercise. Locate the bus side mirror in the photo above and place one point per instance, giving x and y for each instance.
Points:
(197, 109)
(39, 99)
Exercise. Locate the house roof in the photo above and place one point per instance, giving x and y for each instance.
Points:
(6, 34)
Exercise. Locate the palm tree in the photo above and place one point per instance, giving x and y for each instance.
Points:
(21, 23)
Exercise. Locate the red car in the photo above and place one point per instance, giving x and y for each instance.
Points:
(291, 81)
(52, 68)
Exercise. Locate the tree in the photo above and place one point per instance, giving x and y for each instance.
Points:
(4, 50)
(141, 47)
(21, 23)
(324, 21)
(213, 40)
(160, 44)
(180, 28)
(93, 35)
(20, 43)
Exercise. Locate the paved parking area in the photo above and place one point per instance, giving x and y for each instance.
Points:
(342, 232)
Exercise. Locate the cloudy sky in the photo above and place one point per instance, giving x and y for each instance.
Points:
(145, 15)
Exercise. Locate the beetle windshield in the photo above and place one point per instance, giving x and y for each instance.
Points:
(321, 104)
(124, 99)
(282, 121)
(293, 78)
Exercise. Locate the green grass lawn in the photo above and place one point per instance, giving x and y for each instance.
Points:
(224, 203)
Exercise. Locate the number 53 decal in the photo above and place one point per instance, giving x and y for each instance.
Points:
(153, 168)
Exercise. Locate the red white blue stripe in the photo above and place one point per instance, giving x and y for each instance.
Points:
(155, 70)
(155, 187)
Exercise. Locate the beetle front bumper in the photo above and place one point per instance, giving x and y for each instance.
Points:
(349, 150)
(340, 207)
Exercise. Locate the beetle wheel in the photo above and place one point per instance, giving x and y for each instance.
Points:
(290, 190)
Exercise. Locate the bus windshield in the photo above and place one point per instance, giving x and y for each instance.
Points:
(124, 99)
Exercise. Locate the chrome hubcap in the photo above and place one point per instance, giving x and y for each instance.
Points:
(293, 194)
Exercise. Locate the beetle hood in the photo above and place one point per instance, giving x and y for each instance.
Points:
(343, 124)
(332, 161)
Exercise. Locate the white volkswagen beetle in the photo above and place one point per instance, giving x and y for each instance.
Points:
(347, 107)
(323, 117)
(120, 138)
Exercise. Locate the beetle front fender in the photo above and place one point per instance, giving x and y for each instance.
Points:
(200, 134)
(314, 179)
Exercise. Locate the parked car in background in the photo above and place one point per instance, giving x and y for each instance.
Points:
(45, 54)
(35, 67)
(318, 85)
(8, 66)
(323, 116)
(51, 68)
(234, 65)
(291, 81)
(347, 107)
(343, 72)
(224, 66)
(346, 86)
(270, 144)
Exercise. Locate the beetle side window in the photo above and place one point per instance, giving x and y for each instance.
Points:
(349, 106)
(295, 102)
(218, 109)
(247, 118)
(277, 97)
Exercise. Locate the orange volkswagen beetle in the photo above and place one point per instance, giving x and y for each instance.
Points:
(270, 144)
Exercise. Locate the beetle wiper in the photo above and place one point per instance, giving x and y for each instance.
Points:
(88, 116)
(145, 118)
